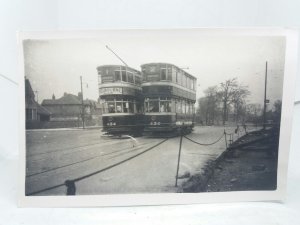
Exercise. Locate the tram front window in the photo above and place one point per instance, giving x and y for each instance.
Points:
(125, 107)
(165, 106)
(118, 107)
(153, 106)
(111, 107)
(131, 107)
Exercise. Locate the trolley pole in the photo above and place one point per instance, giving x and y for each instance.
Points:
(179, 154)
(82, 103)
(265, 97)
(116, 55)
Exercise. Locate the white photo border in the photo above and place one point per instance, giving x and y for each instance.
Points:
(290, 71)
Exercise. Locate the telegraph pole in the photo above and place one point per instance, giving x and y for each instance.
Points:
(265, 98)
(82, 104)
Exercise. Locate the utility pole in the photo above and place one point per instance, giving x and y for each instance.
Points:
(265, 98)
(82, 104)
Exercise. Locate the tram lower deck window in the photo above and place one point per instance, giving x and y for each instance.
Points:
(158, 105)
(153, 106)
(119, 106)
(111, 107)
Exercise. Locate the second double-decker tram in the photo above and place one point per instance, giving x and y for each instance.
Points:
(121, 98)
(169, 98)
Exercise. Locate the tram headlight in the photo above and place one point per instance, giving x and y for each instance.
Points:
(114, 123)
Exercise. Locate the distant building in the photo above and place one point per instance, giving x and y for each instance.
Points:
(69, 107)
(34, 111)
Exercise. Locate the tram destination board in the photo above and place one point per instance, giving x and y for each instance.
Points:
(151, 117)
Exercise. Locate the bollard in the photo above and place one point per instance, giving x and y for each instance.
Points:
(71, 188)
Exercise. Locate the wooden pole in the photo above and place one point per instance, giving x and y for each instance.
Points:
(178, 162)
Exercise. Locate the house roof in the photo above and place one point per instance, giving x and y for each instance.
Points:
(28, 89)
(43, 111)
(66, 99)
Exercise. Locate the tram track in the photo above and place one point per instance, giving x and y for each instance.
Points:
(65, 149)
(98, 171)
(91, 158)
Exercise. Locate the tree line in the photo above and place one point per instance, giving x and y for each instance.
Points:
(227, 102)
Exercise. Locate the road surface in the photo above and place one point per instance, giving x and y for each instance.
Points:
(104, 165)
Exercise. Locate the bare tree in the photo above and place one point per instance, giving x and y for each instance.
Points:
(238, 100)
(208, 106)
(211, 95)
(254, 113)
(226, 92)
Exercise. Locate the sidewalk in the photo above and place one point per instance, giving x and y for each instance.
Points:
(250, 163)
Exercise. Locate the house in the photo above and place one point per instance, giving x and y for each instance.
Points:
(68, 107)
(34, 111)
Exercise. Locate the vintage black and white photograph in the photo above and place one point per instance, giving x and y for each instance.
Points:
(152, 112)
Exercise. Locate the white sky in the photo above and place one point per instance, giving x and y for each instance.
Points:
(54, 66)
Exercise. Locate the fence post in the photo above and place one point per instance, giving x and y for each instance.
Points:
(71, 188)
(178, 162)
(225, 139)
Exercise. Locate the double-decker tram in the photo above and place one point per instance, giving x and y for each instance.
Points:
(121, 98)
(169, 98)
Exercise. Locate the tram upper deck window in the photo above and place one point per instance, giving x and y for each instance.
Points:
(130, 77)
(169, 73)
(163, 74)
(188, 82)
(179, 77)
(192, 84)
(117, 75)
(124, 77)
(137, 80)
(184, 80)
(174, 74)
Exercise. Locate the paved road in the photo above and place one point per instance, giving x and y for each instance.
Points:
(54, 156)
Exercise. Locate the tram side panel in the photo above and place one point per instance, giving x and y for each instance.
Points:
(125, 124)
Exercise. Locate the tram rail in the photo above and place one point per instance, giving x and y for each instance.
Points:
(69, 183)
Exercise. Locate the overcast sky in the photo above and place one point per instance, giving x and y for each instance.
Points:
(55, 66)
